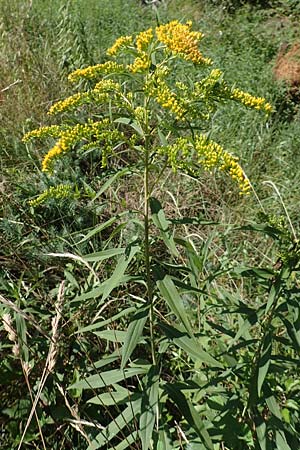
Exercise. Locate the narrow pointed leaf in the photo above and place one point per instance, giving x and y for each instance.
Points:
(160, 221)
(169, 292)
(148, 408)
(134, 333)
(264, 362)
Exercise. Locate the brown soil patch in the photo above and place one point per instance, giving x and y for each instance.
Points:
(287, 65)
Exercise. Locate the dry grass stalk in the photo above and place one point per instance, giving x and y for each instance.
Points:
(13, 337)
(51, 358)
(77, 423)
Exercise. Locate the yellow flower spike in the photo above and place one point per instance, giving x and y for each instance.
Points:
(143, 39)
(209, 155)
(249, 100)
(53, 130)
(69, 103)
(181, 40)
(99, 131)
(121, 42)
(58, 192)
(140, 64)
(91, 72)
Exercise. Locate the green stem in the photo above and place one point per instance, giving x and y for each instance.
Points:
(147, 251)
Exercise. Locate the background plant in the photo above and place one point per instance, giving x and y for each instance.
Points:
(28, 240)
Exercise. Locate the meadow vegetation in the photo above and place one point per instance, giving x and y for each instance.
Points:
(149, 258)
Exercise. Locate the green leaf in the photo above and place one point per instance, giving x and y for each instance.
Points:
(254, 272)
(111, 335)
(160, 221)
(103, 323)
(116, 425)
(132, 123)
(274, 293)
(105, 254)
(190, 414)
(264, 361)
(99, 290)
(108, 378)
(170, 294)
(162, 138)
(190, 345)
(120, 395)
(164, 442)
(101, 227)
(281, 442)
(149, 408)
(134, 333)
(261, 433)
(118, 273)
(110, 181)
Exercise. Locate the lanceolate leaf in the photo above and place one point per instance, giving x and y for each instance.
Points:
(190, 414)
(281, 442)
(264, 362)
(123, 420)
(105, 254)
(103, 379)
(160, 221)
(103, 323)
(134, 333)
(171, 296)
(164, 442)
(261, 433)
(110, 181)
(149, 408)
(190, 345)
(118, 273)
(101, 227)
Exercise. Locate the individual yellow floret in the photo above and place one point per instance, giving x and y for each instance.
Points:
(121, 42)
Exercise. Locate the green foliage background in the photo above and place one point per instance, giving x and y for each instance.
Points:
(244, 264)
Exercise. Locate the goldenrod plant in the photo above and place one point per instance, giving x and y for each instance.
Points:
(170, 374)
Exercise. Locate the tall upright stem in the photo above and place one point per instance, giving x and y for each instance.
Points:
(147, 249)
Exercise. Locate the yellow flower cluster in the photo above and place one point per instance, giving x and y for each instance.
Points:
(181, 40)
(212, 156)
(209, 84)
(106, 86)
(209, 155)
(100, 94)
(157, 88)
(140, 113)
(53, 130)
(70, 102)
(57, 192)
(140, 64)
(91, 72)
(72, 136)
(143, 39)
(249, 100)
(122, 41)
